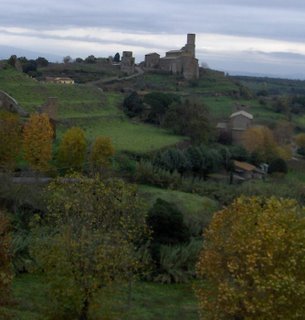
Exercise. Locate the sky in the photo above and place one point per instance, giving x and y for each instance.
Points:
(235, 36)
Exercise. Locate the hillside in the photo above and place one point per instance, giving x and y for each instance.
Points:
(97, 112)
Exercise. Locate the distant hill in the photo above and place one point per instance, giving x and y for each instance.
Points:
(7, 51)
(295, 76)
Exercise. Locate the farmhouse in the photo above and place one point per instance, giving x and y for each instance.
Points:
(237, 124)
(62, 80)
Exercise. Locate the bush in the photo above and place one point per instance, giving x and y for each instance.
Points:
(177, 263)
(278, 166)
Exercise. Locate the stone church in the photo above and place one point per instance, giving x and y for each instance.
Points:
(181, 61)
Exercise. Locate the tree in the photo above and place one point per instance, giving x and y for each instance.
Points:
(172, 160)
(101, 153)
(67, 59)
(91, 59)
(260, 140)
(133, 105)
(37, 141)
(252, 265)
(168, 227)
(189, 119)
(6, 274)
(72, 149)
(89, 239)
(117, 57)
(278, 165)
(159, 103)
(300, 140)
(10, 139)
(42, 62)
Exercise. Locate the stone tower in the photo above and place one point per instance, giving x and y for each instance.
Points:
(190, 44)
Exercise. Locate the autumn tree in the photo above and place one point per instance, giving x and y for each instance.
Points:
(261, 142)
(101, 153)
(72, 149)
(252, 265)
(10, 139)
(37, 141)
(88, 240)
(6, 274)
(300, 140)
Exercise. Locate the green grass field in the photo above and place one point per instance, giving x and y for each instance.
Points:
(149, 301)
(87, 106)
(125, 135)
(187, 202)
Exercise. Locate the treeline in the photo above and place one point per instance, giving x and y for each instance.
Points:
(169, 111)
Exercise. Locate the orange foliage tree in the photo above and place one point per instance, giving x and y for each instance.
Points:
(72, 149)
(252, 265)
(10, 139)
(101, 152)
(37, 142)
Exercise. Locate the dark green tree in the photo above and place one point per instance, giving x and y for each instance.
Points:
(117, 57)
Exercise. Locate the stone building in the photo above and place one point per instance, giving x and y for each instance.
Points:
(127, 62)
(152, 60)
(181, 61)
(239, 122)
(235, 127)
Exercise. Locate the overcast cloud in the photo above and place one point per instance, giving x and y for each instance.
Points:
(232, 35)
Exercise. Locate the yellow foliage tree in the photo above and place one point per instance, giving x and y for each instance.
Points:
(88, 239)
(300, 140)
(252, 265)
(72, 149)
(37, 142)
(101, 152)
(10, 139)
(260, 140)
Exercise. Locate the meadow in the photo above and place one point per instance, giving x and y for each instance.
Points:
(145, 301)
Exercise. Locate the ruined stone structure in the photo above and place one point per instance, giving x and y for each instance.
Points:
(127, 62)
(181, 61)
(8, 103)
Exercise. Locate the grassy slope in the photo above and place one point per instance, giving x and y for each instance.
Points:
(187, 202)
(216, 91)
(88, 107)
(149, 301)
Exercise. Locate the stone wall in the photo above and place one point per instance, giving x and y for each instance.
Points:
(8, 103)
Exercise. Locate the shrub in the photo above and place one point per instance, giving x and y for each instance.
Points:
(278, 166)
(177, 263)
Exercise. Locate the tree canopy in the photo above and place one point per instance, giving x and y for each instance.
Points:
(252, 265)
(88, 240)
(37, 141)
(72, 149)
